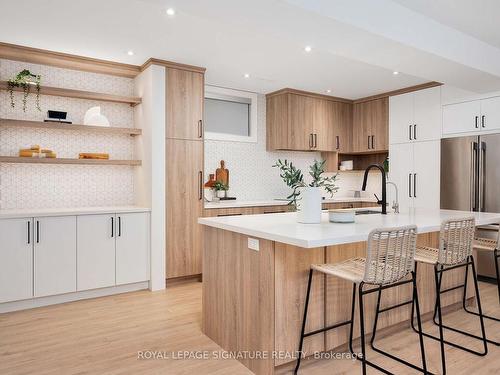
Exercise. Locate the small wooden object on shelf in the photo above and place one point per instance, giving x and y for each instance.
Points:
(93, 155)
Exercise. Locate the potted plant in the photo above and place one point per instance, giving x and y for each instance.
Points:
(25, 80)
(220, 189)
(309, 210)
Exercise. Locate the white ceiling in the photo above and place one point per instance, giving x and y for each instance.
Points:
(356, 44)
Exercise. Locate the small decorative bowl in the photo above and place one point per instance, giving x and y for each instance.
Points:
(341, 216)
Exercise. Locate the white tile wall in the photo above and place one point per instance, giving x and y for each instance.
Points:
(251, 176)
(43, 186)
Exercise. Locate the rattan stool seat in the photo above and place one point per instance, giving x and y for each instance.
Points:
(351, 269)
(485, 244)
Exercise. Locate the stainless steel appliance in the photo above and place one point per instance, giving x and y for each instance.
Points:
(470, 181)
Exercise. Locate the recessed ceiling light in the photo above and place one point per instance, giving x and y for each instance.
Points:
(246, 75)
(170, 11)
(130, 53)
(307, 48)
(328, 91)
(395, 72)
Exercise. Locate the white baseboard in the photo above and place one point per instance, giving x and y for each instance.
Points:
(70, 297)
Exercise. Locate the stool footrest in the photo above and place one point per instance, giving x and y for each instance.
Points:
(452, 288)
(327, 328)
(395, 306)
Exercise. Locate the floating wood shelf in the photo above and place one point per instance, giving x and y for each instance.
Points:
(58, 126)
(79, 94)
(17, 159)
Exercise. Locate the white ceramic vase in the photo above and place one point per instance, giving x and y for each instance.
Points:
(309, 210)
(221, 193)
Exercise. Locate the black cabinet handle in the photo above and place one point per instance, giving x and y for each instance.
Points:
(29, 232)
(37, 231)
(409, 185)
(112, 226)
(119, 226)
(237, 214)
(373, 142)
(200, 128)
(475, 122)
(310, 140)
(315, 137)
(482, 121)
(414, 185)
(200, 182)
(409, 132)
(338, 142)
(415, 131)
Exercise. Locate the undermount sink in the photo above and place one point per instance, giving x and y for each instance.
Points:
(367, 212)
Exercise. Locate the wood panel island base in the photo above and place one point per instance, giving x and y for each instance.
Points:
(253, 300)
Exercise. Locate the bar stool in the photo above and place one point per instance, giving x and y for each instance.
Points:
(390, 259)
(455, 251)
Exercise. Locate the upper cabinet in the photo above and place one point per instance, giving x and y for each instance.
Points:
(307, 122)
(415, 116)
(472, 116)
(370, 126)
(184, 104)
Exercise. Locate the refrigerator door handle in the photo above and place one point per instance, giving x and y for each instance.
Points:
(472, 202)
(482, 157)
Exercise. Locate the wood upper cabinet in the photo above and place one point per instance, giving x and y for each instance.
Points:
(184, 191)
(185, 95)
(307, 123)
(371, 126)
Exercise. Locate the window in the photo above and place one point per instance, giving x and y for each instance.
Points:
(230, 115)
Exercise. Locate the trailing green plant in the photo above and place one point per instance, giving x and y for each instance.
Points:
(294, 178)
(25, 79)
(220, 186)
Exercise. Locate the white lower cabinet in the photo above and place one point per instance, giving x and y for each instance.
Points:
(54, 255)
(95, 251)
(132, 248)
(16, 259)
(415, 169)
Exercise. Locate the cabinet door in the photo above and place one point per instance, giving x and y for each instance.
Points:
(401, 118)
(300, 120)
(96, 251)
(490, 113)
(338, 127)
(461, 117)
(16, 259)
(132, 248)
(54, 255)
(379, 124)
(427, 166)
(401, 173)
(324, 125)
(362, 126)
(427, 114)
(184, 191)
(185, 95)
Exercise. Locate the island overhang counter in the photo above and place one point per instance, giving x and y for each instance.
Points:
(255, 271)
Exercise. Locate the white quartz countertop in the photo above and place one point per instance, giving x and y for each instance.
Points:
(274, 202)
(283, 227)
(39, 212)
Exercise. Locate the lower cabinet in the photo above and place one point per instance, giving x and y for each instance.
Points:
(46, 256)
(54, 256)
(16, 259)
(132, 248)
(96, 251)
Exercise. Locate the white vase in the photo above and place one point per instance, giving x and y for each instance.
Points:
(309, 210)
(221, 193)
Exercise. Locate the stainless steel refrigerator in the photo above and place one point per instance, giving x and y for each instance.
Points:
(470, 181)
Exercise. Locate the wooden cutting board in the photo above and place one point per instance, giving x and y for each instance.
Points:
(222, 174)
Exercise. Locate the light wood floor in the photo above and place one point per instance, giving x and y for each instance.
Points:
(104, 336)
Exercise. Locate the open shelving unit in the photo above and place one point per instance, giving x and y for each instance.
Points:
(80, 94)
(60, 126)
(24, 160)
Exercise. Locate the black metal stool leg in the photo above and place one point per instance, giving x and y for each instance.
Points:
(353, 308)
(437, 281)
(301, 342)
(496, 257)
(362, 327)
(419, 321)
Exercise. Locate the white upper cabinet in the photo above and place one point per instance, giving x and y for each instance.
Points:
(96, 251)
(16, 259)
(54, 255)
(415, 116)
(490, 114)
(132, 248)
(461, 117)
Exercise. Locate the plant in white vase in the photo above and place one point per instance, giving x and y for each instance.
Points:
(220, 189)
(309, 195)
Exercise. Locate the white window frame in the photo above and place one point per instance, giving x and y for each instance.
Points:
(215, 92)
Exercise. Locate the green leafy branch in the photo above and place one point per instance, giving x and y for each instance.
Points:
(25, 79)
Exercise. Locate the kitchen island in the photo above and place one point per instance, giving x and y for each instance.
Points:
(255, 276)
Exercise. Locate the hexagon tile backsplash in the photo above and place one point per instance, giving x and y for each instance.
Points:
(55, 186)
